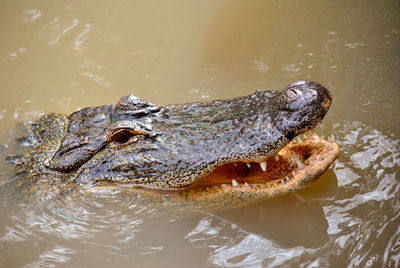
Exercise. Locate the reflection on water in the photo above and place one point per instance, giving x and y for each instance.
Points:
(58, 57)
(239, 248)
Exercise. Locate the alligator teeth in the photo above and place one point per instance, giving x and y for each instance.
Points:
(299, 164)
(276, 157)
(246, 184)
(311, 162)
(330, 147)
(248, 164)
(287, 179)
(235, 183)
(263, 166)
(332, 138)
(224, 185)
(293, 173)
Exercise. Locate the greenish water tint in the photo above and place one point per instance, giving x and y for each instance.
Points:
(61, 56)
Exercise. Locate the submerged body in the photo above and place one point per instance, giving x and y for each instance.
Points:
(202, 152)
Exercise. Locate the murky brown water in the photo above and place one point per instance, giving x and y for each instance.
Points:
(58, 56)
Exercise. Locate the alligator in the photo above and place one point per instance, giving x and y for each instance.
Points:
(221, 152)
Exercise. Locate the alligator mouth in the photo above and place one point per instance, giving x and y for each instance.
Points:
(296, 165)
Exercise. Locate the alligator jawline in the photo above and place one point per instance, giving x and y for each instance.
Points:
(297, 164)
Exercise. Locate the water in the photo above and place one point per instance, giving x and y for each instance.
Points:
(60, 56)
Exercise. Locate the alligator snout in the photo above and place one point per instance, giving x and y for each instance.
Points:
(305, 93)
(301, 106)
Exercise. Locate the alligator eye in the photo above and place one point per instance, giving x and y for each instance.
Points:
(121, 136)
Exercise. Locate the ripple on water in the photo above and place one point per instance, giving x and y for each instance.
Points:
(104, 220)
(235, 247)
(360, 218)
(56, 255)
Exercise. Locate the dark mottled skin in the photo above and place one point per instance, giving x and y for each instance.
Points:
(170, 146)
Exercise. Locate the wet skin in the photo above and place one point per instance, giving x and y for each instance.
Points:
(224, 151)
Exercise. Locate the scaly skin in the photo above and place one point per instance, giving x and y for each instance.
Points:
(189, 152)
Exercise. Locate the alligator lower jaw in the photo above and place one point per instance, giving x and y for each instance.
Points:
(298, 164)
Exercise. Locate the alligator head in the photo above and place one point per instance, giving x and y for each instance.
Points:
(237, 149)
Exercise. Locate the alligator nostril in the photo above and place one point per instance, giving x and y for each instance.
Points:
(294, 93)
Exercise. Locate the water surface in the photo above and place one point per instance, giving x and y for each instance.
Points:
(59, 56)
